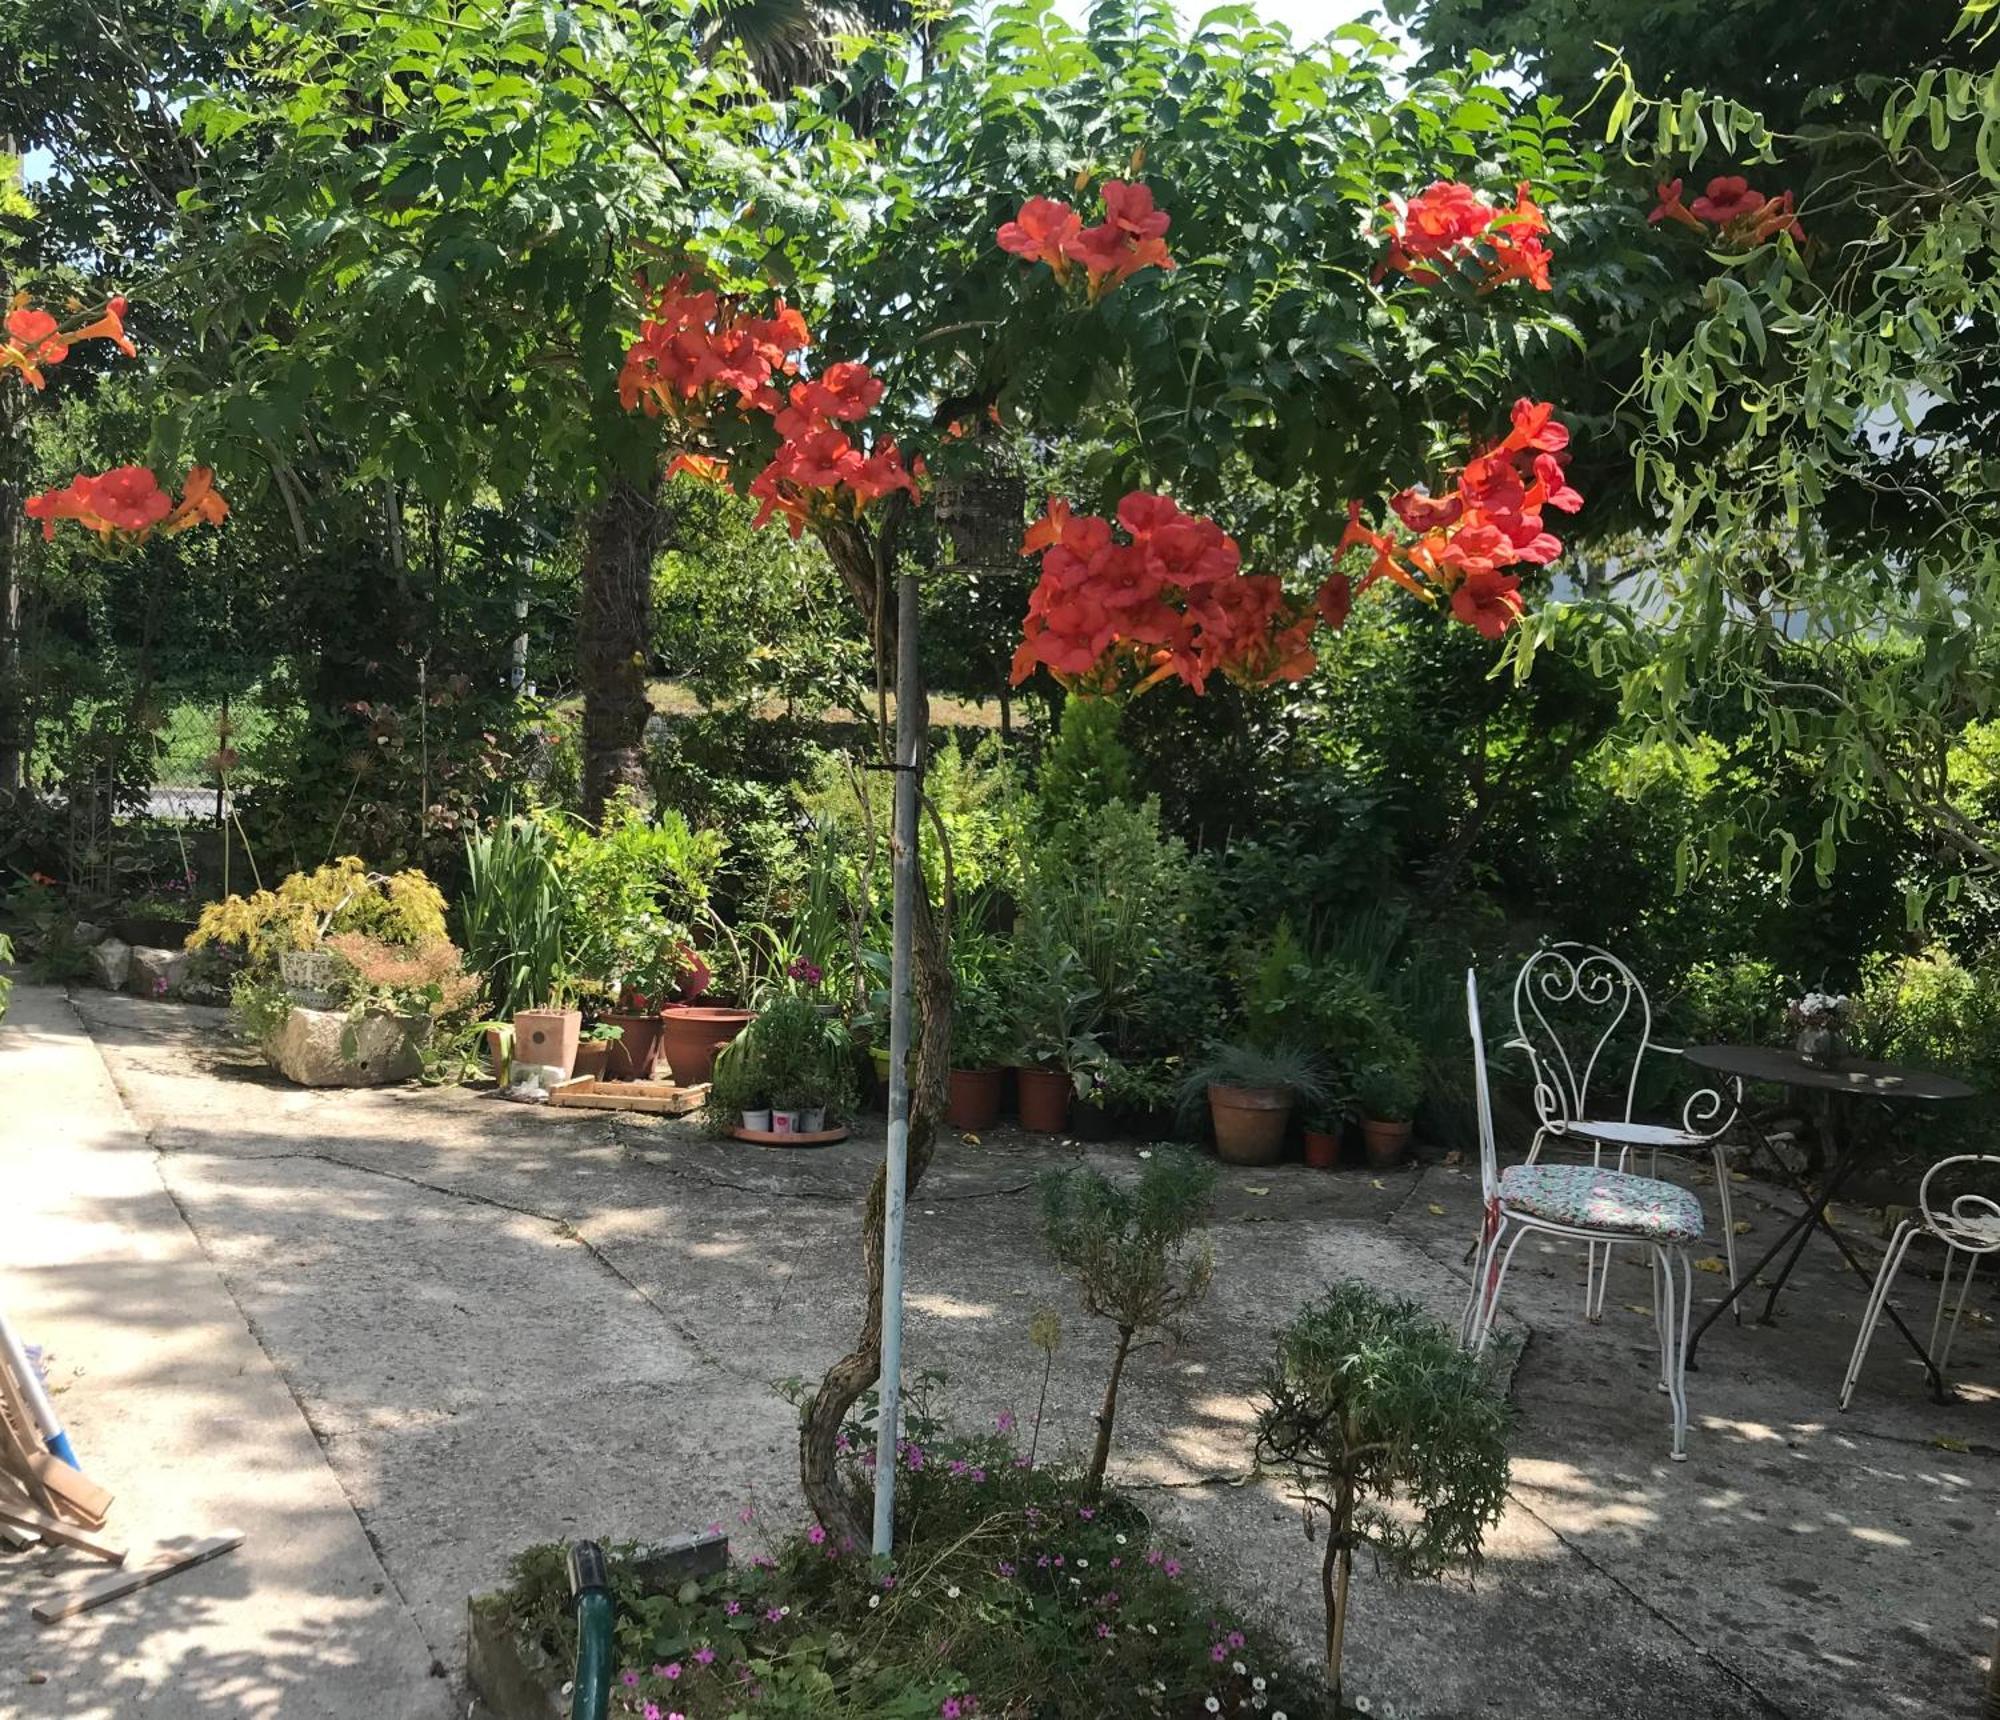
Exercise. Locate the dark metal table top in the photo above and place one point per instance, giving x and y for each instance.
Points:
(1851, 1075)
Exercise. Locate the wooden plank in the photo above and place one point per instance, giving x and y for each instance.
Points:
(19, 1445)
(658, 1098)
(180, 1554)
(18, 1539)
(61, 1533)
(76, 1495)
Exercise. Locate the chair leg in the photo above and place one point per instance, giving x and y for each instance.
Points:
(1679, 1302)
(1728, 1226)
(1597, 1255)
(1491, 1307)
(1941, 1356)
(1878, 1298)
(1468, 1321)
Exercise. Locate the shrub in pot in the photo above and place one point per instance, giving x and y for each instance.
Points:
(594, 1048)
(1250, 1091)
(1322, 1137)
(1386, 1097)
(979, 1047)
(1057, 1050)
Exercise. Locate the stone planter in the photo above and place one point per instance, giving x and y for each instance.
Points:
(518, 1679)
(155, 972)
(329, 1048)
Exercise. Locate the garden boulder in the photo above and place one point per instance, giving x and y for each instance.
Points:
(156, 973)
(330, 1048)
(111, 961)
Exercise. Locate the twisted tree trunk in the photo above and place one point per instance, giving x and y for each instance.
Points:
(864, 565)
(625, 533)
(1100, 1456)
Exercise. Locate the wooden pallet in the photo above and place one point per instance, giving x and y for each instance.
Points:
(660, 1098)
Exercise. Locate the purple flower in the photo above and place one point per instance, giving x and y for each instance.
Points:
(671, 1671)
(1235, 1639)
(1152, 1555)
(951, 1709)
(714, 1529)
(773, 1614)
(1085, 1512)
(1218, 1652)
(915, 1454)
(807, 971)
(979, 1478)
(1004, 1568)
(704, 1655)
(732, 1608)
(629, 1679)
(816, 1534)
(1103, 1629)
(1004, 1421)
(652, 1711)
(745, 1514)
(1172, 1567)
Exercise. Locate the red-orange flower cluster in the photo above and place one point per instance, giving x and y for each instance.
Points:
(1463, 542)
(1449, 223)
(1740, 216)
(695, 348)
(1131, 237)
(1172, 600)
(126, 506)
(36, 340)
(698, 354)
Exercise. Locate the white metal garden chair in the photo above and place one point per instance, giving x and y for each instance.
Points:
(1969, 1225)
(1587, 1204)
(1565, 1049)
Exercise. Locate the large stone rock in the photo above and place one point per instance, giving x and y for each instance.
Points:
(329, 1048)
(112, 961)
(156, 973)
(88, 933)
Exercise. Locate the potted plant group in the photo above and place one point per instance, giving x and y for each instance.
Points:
(791, 1072)
(1387, 1093)
(1251, 1091)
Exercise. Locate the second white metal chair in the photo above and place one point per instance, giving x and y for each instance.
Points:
(1588, 1204)
(1595, 985)
(1969, 1225)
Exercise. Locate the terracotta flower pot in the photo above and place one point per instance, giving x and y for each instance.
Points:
(1249, 1123)
(591, 1057)
(975, 1099)
(636, 1053)
(1044, 1100)
(1385, 1143)
(548, 1037)
(692, 1033)
(1323, 1148)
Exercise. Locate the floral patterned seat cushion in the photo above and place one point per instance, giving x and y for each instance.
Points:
(1591, 1199)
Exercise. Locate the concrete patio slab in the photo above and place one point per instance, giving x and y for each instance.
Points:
(508, 1325)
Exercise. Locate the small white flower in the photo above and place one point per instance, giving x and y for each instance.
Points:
(1257, 1702)
(1278, 1714)
(951, 1594)
(1121, 1540)
(1213, 1706)
(1364, 1704)
(874, 1601)
(1257, 1683)
(1076, 1582)
(784, 1612)
(1237, 1667)
(1083, 1564)
(1150, 1631)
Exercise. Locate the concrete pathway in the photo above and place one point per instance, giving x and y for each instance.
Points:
(172, 1403)
(508, 1325)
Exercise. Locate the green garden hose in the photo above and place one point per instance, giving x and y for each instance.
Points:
(590, 1584)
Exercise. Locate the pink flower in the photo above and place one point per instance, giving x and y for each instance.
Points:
(1085, 1513)
(652, 1711)
(714, 1529)
(745, 1514)
(1172, 1567)
(629, 1679)
(979, 1478)
(773, 1614)
(1218, 1651)
(671, 1671)
(1235, 1639)
(1004, 1568)
(732, 1608)
(816, 1534)
(951, 1709)
(1103, 1629)
(1004, 1421)
(704, 1655)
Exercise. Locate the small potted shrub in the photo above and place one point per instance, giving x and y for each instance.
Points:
(1057, 1049)
(1322, 1136)
(593, 1049)
(979, 1048)
(1386, 1096)
(1250, 1091)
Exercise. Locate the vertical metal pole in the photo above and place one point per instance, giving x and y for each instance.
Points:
(903, 846)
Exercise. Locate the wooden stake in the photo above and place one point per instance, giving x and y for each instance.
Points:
(179, 1554)
(76, 1495)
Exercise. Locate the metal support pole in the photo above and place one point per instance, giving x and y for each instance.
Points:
(908, 880)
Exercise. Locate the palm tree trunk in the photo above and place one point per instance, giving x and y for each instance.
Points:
(624, 535)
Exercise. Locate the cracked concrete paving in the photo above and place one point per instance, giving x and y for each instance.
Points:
(506, 1325)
